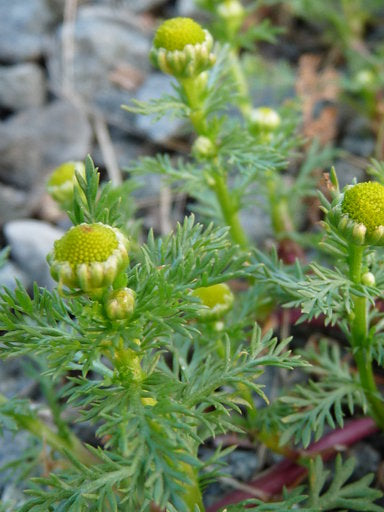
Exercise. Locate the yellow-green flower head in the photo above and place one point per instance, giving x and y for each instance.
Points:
(89, 256)
(218, 300)
(176, 33)
(61, 182)
(182, 48)
(359, 217)
(119, 304)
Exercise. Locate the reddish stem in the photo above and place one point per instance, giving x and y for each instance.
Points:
(288, 472)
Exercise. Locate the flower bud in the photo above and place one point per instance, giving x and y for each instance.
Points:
(182, 48)
(263, 121)
(203, 148)
(233, 13)
(218, 300)
(119, 304)
(89, 256)
(365, 79)
(368, 279)
(62, 181)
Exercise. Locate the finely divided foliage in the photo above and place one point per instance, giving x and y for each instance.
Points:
(160, 378)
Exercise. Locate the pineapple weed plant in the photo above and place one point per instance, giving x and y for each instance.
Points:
(152, 344)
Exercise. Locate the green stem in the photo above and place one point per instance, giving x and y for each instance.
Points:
(278, 204)
(245, 104)
(194, 92)
(194, 89)
(71, 444)
(360, 338)
(229, 211)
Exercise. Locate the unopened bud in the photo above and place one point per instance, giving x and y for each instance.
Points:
(368, 279)
(119, 304)
(203, 148)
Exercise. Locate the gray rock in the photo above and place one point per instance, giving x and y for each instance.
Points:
(240, 465)
(361, 146)
(9, 273)
(346, 172)
(256, 223)
(13, 378)
(160, 131)
(108, 102)
(12, 497)
(24, 29)
(37, 140)
(367, 457)
(22, 86)
(137, 7)
(187, 8)
(126, 150)
(106, 38)
(30, 242)
(14, 203)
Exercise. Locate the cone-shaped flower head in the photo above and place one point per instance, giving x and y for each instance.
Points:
(182, 48)
(360, 215)
(176, 33)
(218, 299)
(62, 180)
(89, 256)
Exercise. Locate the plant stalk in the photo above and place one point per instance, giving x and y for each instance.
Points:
(229, 211)
(360, 340)
(71, 444)
(194, 90)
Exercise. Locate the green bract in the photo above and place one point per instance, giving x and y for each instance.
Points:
(182, 48)
(359, 216)
(89, 256)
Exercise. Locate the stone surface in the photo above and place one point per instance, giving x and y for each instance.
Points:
(142, 5)
(367, 459)
(347, 171)
(105, 38)
(240, 465)
(14, 203)
(108, 102)
(24, 29)
(35, 141)
(9, 273)
(30, 242)
(160, 131)
(22, 86)
(127, 150)
(187, 8)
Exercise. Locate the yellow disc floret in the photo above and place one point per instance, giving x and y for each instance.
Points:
(176, 33)
(86, 243)
(364, 203)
